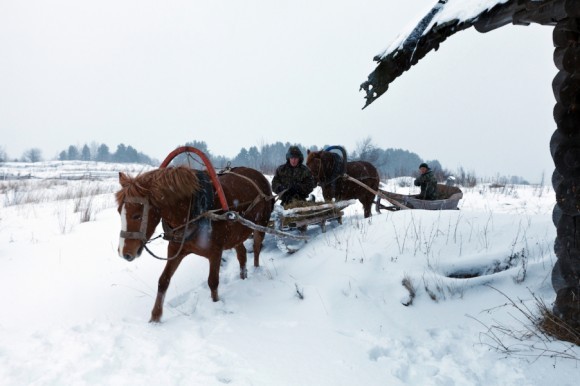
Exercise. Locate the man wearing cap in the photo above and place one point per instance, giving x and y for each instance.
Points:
(427, 182)
(293, 179)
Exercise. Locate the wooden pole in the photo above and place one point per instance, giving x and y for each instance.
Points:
(377, 193)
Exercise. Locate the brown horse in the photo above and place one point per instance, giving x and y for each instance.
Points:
(328, 169)
(179, 197)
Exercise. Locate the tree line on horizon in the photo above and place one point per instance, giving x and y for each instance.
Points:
(267, 157)
(93, 152)
(101, 153)
(390, 162)
(264, 157)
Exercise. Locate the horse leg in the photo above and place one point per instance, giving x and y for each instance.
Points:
(242, 255)
(162, 286)
(367, 205)
(213, 280)
(258, 240)
(368, 211)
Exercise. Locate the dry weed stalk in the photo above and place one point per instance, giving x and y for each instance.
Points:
(540, 333)
(408, 284)
(555, 326)
(299, 292)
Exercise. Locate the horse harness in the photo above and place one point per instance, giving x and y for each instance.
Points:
(201, 213)
(195, 213)
(338, 172)
(338, 169)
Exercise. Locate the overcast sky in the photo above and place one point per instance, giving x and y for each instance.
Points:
(234, 74)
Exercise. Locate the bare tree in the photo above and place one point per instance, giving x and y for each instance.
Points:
(366, 151)
(32, 155)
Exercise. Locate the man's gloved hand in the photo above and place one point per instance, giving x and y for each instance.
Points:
(293, 190)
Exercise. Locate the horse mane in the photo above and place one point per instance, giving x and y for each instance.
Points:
(163, 186)
(310, 156)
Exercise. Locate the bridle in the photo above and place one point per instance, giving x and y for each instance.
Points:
(322, 177)
(142, 234)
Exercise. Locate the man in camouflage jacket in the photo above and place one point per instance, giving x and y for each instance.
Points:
(427, 182)
(293, 177)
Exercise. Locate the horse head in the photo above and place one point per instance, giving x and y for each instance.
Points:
(138, 217)
(313, 163)
(323, 165)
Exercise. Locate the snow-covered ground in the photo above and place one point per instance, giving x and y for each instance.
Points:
(333, 313)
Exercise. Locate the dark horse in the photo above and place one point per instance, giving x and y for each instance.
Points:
(328, 169)
(177, 197)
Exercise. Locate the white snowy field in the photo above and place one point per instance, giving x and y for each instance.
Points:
(333, 313)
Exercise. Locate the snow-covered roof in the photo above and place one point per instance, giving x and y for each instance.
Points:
(446, 18)
(443, 12)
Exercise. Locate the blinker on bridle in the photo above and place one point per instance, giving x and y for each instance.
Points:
(142, 234)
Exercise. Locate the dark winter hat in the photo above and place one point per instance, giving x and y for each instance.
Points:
(294, 151)
(423, 165)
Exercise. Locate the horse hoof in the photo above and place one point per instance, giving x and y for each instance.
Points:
(155, 317)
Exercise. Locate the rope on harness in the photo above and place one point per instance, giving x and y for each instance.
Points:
(235, 216)
(261, 195)
(180, 245)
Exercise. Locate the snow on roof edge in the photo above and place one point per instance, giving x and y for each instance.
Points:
(461, 10)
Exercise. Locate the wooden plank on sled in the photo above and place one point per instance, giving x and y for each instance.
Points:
(338, 205)
(321, 219)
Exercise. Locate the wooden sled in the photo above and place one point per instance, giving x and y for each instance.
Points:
(449, 198)
(298, 218)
